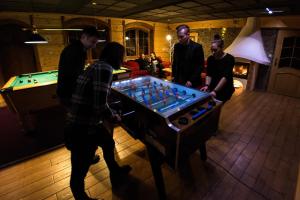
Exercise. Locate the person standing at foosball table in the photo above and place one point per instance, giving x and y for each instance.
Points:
(219, 79)
(188, 59)
(71, 65)
(90, 121)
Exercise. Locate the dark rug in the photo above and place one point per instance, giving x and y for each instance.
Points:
(17, 145)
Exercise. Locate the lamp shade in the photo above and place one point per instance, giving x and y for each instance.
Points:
(36, 38)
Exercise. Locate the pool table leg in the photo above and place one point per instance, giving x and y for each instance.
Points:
(156, 161)
(27, 122)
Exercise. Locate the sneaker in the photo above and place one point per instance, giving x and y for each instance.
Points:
(124, 170)
(119, 177)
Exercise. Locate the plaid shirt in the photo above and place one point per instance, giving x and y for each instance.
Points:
(89, 100)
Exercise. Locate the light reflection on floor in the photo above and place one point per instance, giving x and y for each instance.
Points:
(2, 102)
(239, 87)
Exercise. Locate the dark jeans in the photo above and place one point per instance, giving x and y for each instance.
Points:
(225, 94)
(80, 161)
(83, 141)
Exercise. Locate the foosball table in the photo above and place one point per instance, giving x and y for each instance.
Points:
(172, 120)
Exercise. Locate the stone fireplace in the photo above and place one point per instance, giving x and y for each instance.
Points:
(241, 73)
(249, 46)
(240, 70)
(246, 75)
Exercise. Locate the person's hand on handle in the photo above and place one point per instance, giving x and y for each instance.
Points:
(116, 118)
(204, 89)
(213, 93)
(188, 84)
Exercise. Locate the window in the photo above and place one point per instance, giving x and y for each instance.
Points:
(290, 53)
(130, 43)
(143, 42)
(137, 41)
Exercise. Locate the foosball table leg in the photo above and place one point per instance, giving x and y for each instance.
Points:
(203, 154)
(156, 162)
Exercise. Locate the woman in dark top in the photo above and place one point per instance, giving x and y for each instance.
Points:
(219, 79)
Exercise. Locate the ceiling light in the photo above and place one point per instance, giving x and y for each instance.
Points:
(36, 38)
(269, 11)
(61, 29)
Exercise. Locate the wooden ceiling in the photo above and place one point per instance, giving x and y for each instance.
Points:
(167, 11)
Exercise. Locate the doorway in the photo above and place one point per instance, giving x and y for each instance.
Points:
(16, 57)
(285, 73)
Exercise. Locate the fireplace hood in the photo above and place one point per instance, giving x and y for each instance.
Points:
(248, 44)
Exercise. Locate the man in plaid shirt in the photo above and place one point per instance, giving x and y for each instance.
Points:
(89, 101)
(90, 123)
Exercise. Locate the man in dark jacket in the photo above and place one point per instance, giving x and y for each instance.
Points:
(72, 62)
(188, 59)
(71, 65)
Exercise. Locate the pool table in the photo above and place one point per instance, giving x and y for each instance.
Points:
(29, 93)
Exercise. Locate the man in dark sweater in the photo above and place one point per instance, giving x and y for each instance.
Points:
(188, 59)
(72, 62)
(71, 65)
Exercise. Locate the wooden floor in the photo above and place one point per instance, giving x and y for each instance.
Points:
(2, 102)
(255, 155)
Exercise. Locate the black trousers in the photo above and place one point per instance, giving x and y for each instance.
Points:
(83, 142)
(80, 162)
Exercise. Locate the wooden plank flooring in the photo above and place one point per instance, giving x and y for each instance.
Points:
(2, 102)
(255, 155)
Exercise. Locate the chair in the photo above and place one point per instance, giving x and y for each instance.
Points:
(135, 69)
